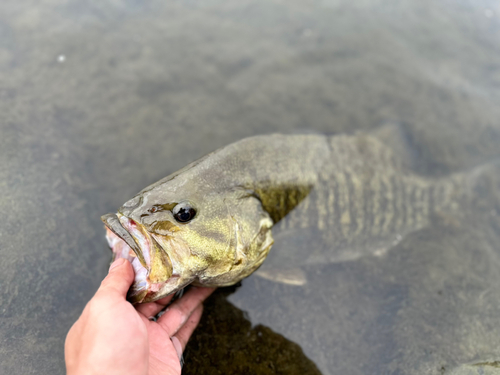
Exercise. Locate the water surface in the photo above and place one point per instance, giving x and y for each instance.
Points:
(100, 99)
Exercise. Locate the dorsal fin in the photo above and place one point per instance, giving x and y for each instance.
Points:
(399, 140)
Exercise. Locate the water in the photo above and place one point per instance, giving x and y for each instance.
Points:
(99, 100)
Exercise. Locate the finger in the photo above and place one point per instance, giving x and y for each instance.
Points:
(185, 332)
(178, 313)
(150, 309)
(119, 278)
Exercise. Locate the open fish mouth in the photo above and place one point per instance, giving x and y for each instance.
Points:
(152, 265)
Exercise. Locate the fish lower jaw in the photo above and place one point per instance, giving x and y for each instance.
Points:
(144, 293)
(161, 290)
(142, 289)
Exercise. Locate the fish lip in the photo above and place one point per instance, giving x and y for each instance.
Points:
(157, 264)
(112, 222)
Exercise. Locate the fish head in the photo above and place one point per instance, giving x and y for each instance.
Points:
(176, 237)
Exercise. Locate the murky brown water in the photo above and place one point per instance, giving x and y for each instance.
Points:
(99, 100)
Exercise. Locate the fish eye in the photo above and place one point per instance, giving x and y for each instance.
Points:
(153, 209)
(183, 213)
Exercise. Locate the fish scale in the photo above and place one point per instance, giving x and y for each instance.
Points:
(364, 196)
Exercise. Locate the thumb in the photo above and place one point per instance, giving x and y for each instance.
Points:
(119, 278)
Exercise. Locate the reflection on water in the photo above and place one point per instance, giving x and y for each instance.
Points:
(227, 343)
(100, 99)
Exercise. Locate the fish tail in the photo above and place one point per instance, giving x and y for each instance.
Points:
(452, 198)
(483, 185)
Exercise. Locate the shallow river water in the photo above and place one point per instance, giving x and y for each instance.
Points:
(100, 99)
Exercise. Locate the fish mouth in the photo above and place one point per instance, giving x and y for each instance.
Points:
(112, 222)
(152, 265)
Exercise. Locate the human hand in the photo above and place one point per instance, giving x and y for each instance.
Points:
(114, 337)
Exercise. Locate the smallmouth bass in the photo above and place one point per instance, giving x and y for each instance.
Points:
(210, 223)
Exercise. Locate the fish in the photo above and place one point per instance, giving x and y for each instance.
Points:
(334, 198)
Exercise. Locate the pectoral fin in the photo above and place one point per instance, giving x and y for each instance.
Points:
(291, 276)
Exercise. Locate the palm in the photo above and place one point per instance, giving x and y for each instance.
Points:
(114, 337)
(177, 323)
(163, 357)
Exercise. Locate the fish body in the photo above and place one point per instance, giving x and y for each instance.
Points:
(364, 201)
(211, 222)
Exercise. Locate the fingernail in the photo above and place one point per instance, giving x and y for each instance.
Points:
(177, 346)
(118, 262)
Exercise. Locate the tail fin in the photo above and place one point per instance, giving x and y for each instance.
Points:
(484, 187)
